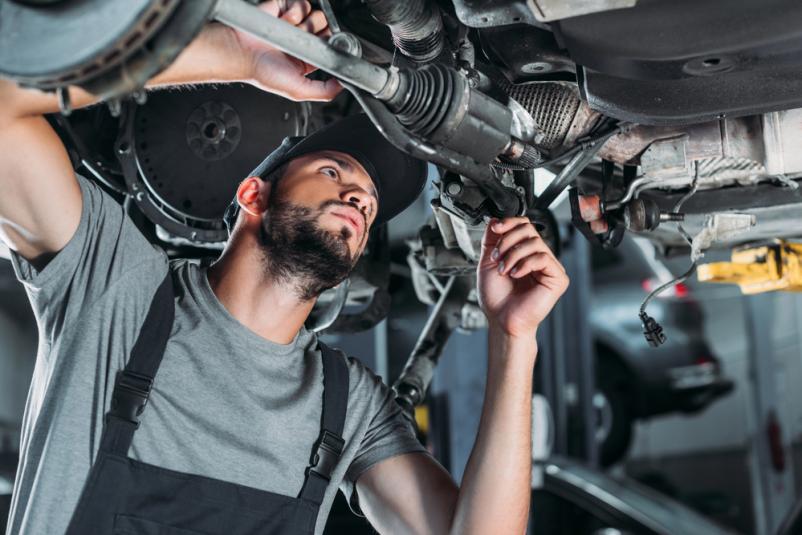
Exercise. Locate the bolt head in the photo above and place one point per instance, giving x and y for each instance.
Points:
(536, 67)
(454, 189)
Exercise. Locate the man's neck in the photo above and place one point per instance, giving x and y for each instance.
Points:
(267, 307)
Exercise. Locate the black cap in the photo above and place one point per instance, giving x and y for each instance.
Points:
(399, 178)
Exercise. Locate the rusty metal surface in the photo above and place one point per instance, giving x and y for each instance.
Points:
(782, 138)
(734, 138)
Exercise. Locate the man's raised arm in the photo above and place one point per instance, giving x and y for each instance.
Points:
(40, 201)
(519, 281)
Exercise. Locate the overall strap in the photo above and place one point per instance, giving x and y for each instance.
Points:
(329, 445)
(133, 384)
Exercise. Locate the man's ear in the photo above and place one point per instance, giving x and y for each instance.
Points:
(253, 194)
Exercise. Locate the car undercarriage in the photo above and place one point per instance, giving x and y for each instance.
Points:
(678, 121)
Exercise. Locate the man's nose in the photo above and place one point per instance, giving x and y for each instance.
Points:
(356, 196)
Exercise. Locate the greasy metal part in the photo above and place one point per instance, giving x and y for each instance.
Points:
(139, 39)
(666, 157)
(507, 201)
(567, 175)
(328, 11)
(74, 50)
(666, 217)
(720, 227)
(411, 386)
(522, 154)
(766, 268)
(192, 147)
(782, 133)
(554, 107)
(632, 191)
(523, 125)
(369, 51)
(433, 102)
(641, 216)
(301, 44)
(346, 42)
(551, 10)
(732, 138)
(729, 152)
(416, 26)
(437, 103)
(489, 13)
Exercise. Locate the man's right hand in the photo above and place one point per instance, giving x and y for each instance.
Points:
(277, 72)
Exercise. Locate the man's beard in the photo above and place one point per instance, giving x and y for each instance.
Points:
(298, 252)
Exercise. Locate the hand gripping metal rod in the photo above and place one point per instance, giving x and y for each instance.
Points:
(305, 46)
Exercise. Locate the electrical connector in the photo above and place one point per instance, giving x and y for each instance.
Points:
(652, 331)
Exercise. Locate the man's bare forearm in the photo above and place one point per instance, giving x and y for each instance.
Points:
(495, 492)
(211, 57)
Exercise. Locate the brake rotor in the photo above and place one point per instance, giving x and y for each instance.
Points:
(109, 47)
(193, 147)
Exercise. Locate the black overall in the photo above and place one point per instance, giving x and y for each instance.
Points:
(128, 497)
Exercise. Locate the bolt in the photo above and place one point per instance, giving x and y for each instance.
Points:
(346, 42)
(671, 216)
(536, 67)
(454, 189)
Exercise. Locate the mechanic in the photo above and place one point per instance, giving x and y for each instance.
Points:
(244, 394)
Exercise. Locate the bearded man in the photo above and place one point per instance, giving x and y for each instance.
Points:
(173, 397)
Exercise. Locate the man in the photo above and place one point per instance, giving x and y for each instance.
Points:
(235, 408)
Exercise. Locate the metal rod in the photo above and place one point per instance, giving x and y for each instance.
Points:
(411, 386)
(632, 191)
(567, 175)
(305, 46)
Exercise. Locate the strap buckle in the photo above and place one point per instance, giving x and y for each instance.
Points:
(131, 393)
(327, 453)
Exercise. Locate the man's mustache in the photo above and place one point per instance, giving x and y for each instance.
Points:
(333, 202)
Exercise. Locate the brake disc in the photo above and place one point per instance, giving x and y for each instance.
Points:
(109, 47)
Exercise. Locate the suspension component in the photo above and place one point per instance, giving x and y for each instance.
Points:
(437, 103)
(416, 26)
(639, 215)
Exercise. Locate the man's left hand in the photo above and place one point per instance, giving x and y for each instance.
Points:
(518, 277)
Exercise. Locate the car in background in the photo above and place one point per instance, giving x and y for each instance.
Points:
(635, 380)
(572, 499)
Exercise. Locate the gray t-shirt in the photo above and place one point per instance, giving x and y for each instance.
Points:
(226, 403)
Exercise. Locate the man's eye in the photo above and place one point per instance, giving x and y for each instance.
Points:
(330, 171)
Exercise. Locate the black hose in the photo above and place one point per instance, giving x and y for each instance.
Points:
(416, 26)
